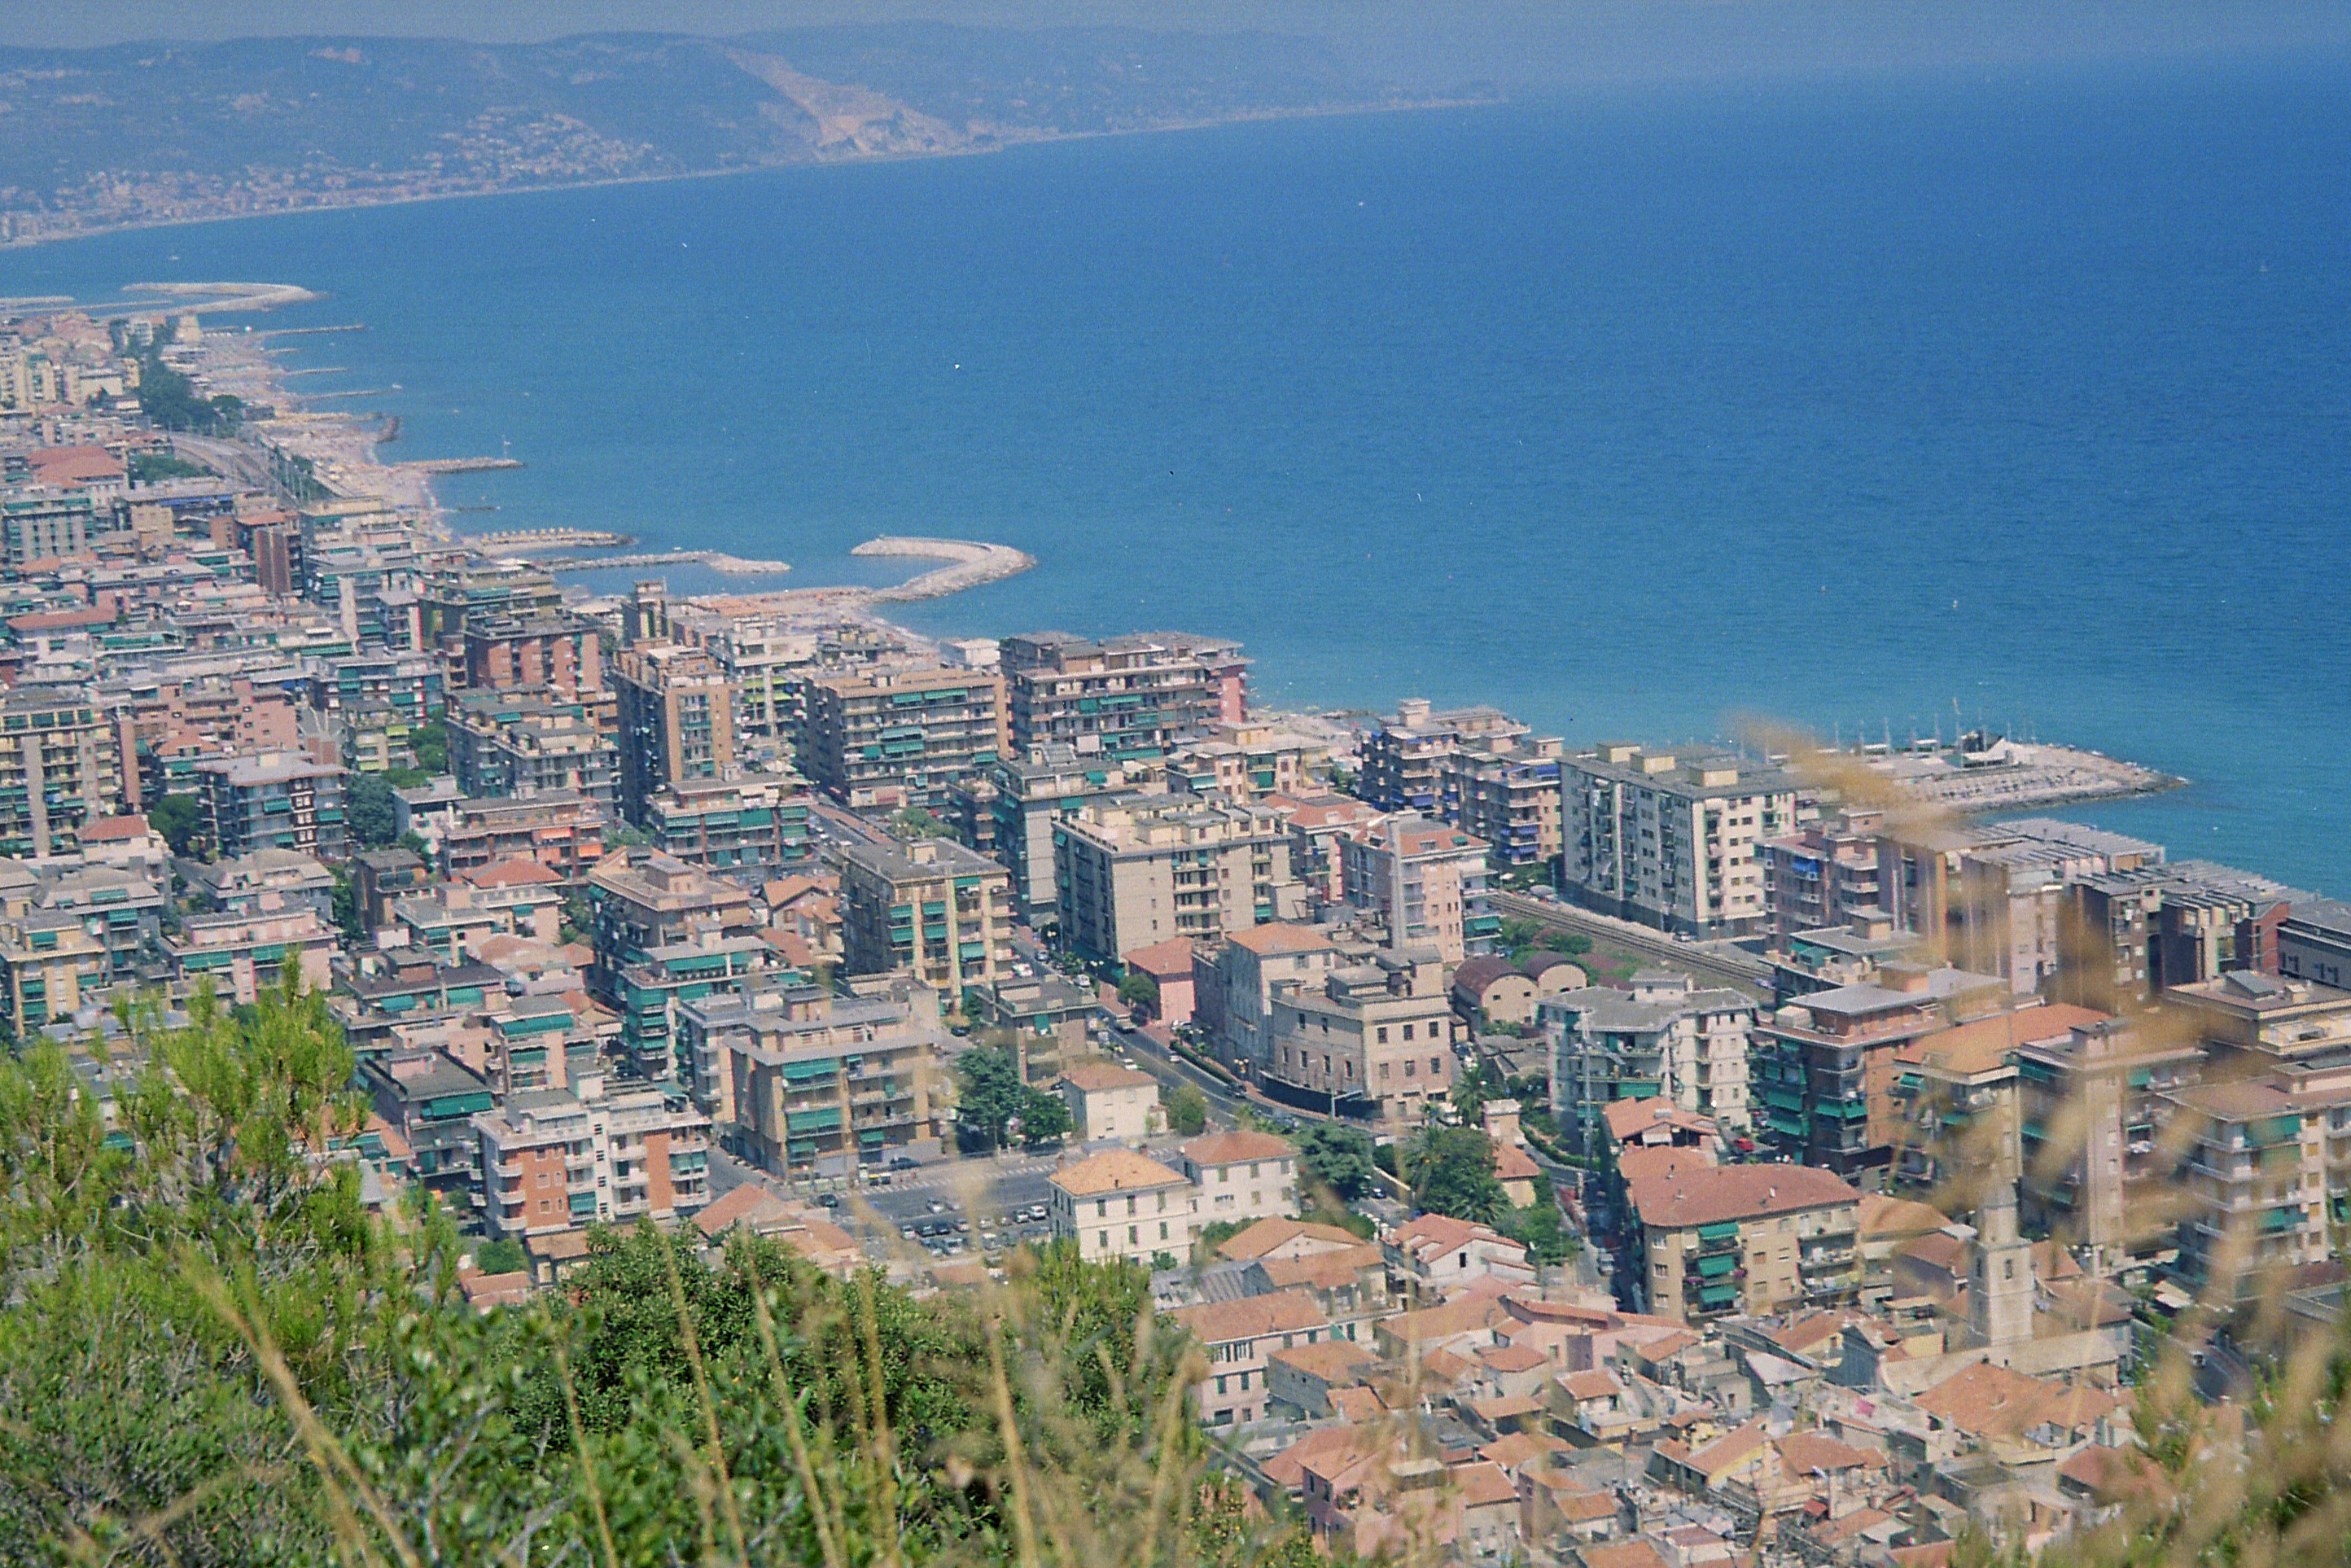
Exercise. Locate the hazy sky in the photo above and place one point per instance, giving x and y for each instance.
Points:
(1524, 42)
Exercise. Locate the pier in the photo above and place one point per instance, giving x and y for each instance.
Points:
(716, 560)
(970, 563)
(522, 541)
(459, 465)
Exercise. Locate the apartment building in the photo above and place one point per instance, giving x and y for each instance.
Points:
(1510, 799)
(1320, 826)
(800, 1078)
(1407, 761)
(60, 767)
(2137, 935)
(1251, 759)
(1234, 984)
(276, 800)
(532, 740)
(751, 819)
(1138, 870)
(562, 830)
(244, 955)
(666, 933)
(2092, 1113)
(1122, 1204)
(1668, 1041)
(1015, 804)
(890, 738)
(37, 525)
(1823, 1074)
(1719, 1241)
(2266, 1178)
(766, 660)
(1971, 915)
(123, 910)
(1373, 1040)
(1441, 873)
(676, 717)
(1824, 875)
(1958, 1110)
(1242, 1176)
(555, 651)
(1109, 1103)
(1123, 698)
(553, 1159)
(1240, 1337)
(49, 967)
(1671, 843)
(931, 906)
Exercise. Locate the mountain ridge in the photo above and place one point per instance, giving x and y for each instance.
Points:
(134, 135)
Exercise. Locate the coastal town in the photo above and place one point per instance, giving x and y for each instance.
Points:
(1598, 1154)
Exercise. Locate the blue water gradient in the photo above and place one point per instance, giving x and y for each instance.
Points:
(1635, 414)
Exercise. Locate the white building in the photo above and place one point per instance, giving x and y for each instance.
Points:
(1243, 1176)
(1120, 1204)
(1667, 1038)
(1109, 1102)
(1671, 843)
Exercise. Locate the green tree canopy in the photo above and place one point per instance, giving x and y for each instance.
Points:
(1044, 1117)
(1451, 1171)
(1544, 1229)
(1188, 1111)
(990, 1092)
(180, 819)
(368, 810)
(1337, 1157)
(1139, 990)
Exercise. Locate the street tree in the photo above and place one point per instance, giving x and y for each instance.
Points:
(1043, 1117)
(991, 1091)
(1188, 1111)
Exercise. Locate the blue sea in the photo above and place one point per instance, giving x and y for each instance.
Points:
(1868, 406)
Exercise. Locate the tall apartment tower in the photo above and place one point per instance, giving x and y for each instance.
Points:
(676, 714)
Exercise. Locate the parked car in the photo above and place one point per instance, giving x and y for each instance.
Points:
(829, 1199)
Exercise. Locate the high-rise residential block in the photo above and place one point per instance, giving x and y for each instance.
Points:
(931, 906)
(901, 736)
(1125, 698)
(1137, 871)
(1671, 843)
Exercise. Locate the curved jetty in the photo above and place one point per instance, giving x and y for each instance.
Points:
(971, 562)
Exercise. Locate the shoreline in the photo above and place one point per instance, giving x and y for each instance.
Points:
(1005, 142)
(2041, 776)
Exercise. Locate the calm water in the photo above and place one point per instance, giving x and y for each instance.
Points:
(1843, 406)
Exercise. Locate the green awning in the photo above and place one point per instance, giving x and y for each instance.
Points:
(1714, 1266)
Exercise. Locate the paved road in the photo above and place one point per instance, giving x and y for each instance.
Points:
(1707, 960)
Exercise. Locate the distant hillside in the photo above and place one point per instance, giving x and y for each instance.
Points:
(149, 133)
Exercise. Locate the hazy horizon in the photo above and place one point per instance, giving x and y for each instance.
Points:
(1513, 43)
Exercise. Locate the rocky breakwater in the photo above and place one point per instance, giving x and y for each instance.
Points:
(969, 563)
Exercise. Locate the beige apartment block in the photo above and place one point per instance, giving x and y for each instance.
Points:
(1374, 1039)
(1442, 880)
(1135, 871)
(929, 906)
